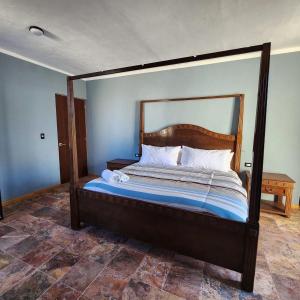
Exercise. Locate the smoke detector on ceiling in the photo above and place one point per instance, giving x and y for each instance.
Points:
(36, 30)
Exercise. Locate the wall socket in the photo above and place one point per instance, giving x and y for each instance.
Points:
(248, 164)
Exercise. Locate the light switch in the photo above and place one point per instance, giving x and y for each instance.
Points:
(42, 136)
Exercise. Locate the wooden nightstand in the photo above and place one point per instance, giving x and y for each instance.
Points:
(117, 164)
(279, 185)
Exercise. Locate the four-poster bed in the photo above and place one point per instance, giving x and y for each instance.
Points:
(220, 241)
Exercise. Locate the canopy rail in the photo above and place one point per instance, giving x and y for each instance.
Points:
(259, 135)
(171, 62)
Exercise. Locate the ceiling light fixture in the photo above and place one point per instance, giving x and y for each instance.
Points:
(36, 30)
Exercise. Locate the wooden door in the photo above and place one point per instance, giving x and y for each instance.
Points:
(62, 133)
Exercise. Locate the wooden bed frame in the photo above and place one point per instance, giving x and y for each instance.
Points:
(223, 242)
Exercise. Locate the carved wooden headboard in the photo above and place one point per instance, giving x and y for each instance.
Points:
(195, 136)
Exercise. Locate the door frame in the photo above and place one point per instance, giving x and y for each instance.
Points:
(59, 94)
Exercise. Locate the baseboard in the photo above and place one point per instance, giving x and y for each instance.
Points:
(36, 193)
(295, 206)
(19, 199)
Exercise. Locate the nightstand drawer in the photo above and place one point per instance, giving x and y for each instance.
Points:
(274, 183)
(117, 164)
(113, 166)
(275, 190)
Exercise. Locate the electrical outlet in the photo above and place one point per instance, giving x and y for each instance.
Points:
(248, 164)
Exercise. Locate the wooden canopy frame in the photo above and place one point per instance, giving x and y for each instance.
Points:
(226, 243)
(203, 139)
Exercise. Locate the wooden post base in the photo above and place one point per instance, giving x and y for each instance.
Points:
(250, 257)
(75, 219)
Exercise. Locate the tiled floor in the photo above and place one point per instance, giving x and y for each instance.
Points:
(41, 257)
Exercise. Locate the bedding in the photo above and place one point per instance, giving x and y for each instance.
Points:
(114, 176)
(214, 192)
(159, 156)
(219, 160)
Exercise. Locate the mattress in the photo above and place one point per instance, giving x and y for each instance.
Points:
(201, 190)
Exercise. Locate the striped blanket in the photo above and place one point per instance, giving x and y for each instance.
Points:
(218, 193)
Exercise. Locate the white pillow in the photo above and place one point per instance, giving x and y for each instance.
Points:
(160, 156)
(218, 160)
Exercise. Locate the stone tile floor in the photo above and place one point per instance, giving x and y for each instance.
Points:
(42, 258)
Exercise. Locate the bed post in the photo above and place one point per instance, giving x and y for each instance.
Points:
(239, 135)
(142, 126)
(258, 157)
(75, 221)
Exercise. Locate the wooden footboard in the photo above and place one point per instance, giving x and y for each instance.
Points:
(208, 238)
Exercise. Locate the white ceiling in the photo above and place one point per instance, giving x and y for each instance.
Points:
(90, 35)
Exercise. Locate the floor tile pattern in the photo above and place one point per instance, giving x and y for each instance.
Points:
(42, 258)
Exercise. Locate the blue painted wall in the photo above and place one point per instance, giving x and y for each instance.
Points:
(112, 109)
(27, 108)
